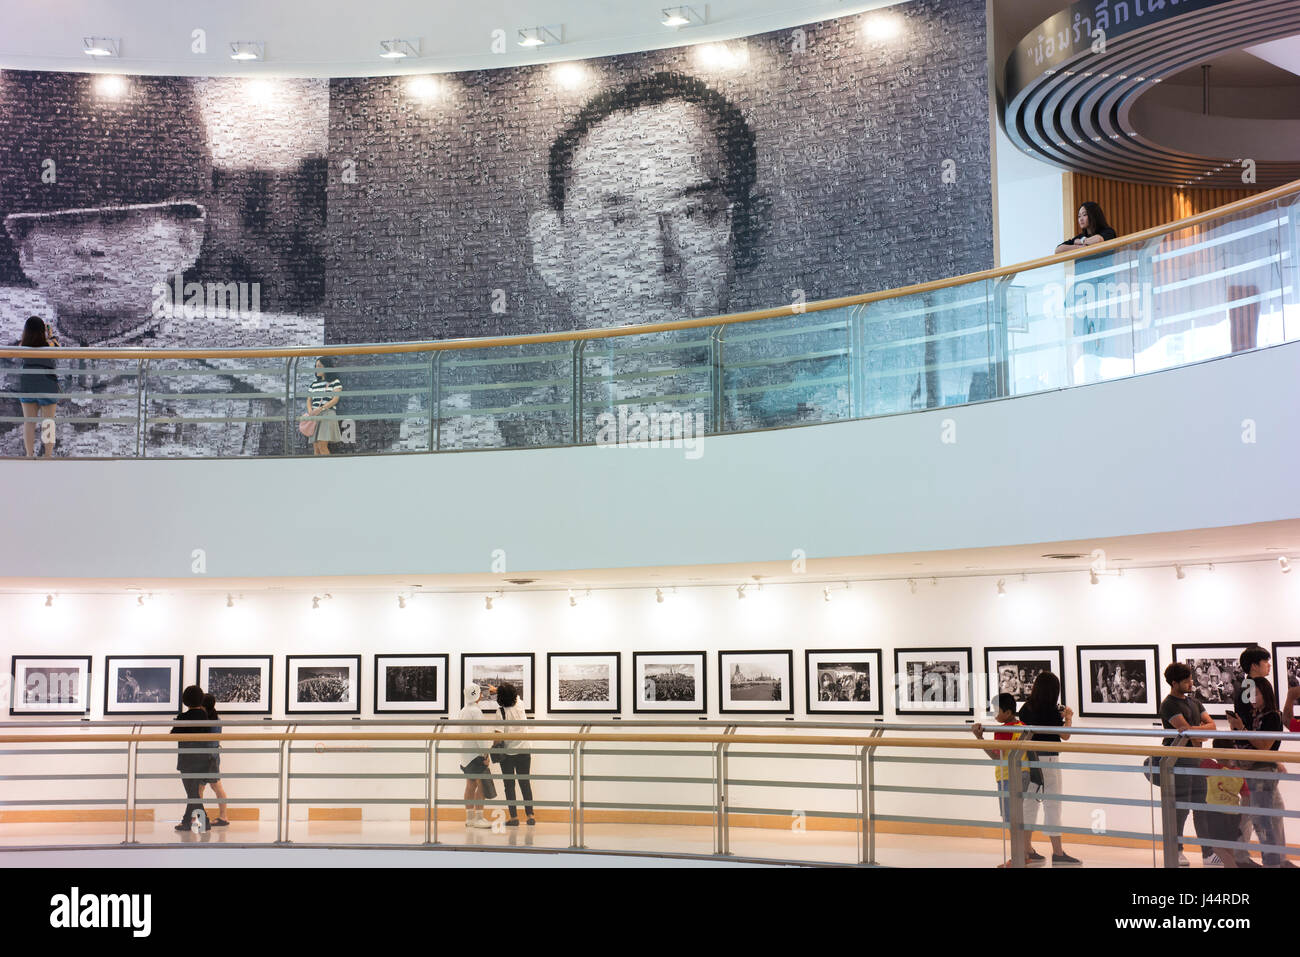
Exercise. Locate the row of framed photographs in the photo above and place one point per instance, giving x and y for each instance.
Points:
(1116, 681)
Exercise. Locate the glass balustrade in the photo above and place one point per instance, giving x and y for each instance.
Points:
(1199, 290)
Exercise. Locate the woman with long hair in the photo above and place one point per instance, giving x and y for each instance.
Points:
(1093, 228)
(516, 761)
(322, 396)
(210, 706)
(1044, 709)
(38, 389)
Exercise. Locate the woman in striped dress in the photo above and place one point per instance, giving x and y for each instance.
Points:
(322, 396)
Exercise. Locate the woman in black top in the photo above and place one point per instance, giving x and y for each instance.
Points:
(1044, 709)
(38, 389)
(210, 706)
(1093, 229)
(1095, 317)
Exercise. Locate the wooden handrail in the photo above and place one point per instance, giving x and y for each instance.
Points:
(856, 741)
(612, 332)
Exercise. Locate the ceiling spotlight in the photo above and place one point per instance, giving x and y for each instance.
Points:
(315, 601)
(397, 49)
(538, 36)
(247, 50)
(1211, 566)
(659, 595)
(1092, 577)
(1002, 588)
(49, 601)
(101, 46)
(401, 601)
(230, 601)
(573, 602)
(139, 600)
(740, 592)
(1179, 573)
(911, 583)
(675, 17)
(934, 583)
(826, 593)
(1284, 563)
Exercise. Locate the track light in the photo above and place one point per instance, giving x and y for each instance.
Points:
(487, 602)
(49, 601)
(1284, 563)
(659, 595)
(911, 583)
(401, 601)
(826, 593)
(674, 17)
(1092, 577)
(230, 601)
(139, 600)
(315, 601)
(573, 602)
(1211, 566)
(740, 592)
(1002, 588)
(1179, 573)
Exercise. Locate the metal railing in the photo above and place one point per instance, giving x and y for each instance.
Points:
(712, 785)
(1213, 285)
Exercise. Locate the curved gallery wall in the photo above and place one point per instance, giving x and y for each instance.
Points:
(1138, 619)
(803, 163)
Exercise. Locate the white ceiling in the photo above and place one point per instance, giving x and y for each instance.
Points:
(1284, 53)
(1197, 547)
(341, 37)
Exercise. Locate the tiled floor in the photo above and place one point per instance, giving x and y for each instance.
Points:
(831, 847)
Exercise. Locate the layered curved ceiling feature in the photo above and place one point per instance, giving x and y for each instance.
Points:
(1119, 103)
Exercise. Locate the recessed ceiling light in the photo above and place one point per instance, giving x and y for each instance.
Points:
(539, 36)
(398, 49)
(101, 46)
(247, 50)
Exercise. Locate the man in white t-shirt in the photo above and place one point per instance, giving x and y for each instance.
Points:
(476, 788)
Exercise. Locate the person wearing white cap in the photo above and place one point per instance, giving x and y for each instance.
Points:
(479, 788)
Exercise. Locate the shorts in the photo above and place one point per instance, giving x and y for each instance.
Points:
(40, 402)
(477, 766)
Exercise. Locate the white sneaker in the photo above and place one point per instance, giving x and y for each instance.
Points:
(480, 822)
(1214, 860)
(1183, 861)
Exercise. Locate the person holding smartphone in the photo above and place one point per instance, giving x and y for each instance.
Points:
(1044, 709)
(37, 390)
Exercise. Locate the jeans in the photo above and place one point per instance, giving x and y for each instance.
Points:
(517, 764)
(1269, 829)
(1190, 789)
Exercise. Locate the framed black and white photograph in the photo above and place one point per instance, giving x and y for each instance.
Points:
(50, 684)
(756, 681)
(933, 681)
(240, 683)
(144, 684)
(490, 671)
(669, 682)
(1119, 681)
(844, 681)
(322, 684)
(1014, 670)
(411, 684)
(1216, 673)
(583, 683)
(1286, 667)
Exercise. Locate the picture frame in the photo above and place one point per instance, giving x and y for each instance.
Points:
(933, 681)
(582, 683)
(143, 684)
(1286, 668)
(50, 684)
(756, 682)
(1028, 661)
(491, 668)
(1216, 672)
(322, 684)
(411, 684)
(242, 684)
(1105, 677)
(844, 680)
(670, 682)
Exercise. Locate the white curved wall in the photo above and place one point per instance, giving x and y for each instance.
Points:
(1149, 454)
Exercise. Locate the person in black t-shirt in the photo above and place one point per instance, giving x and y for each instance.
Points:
(1184, 714)
(1044, 709)
(1256, 705)
(194, 759)
(1093, 229)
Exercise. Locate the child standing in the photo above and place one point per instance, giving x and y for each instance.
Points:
(1005, 704)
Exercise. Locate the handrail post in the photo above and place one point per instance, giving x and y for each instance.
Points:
(869, 800)
(435, 403)
(575, 400)
(573, 795)
(290, 363)
(141, 408)
(717, 392)
(428, 787)
(1016, 809)
(724, 809)
(434, 811)
(132, 748)
(582, 785)
(1169, 813)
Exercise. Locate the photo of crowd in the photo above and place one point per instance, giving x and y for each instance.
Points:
(143, 685)
(235, 685)
(1119, 681)
(52, 686)
(1215, 680)
(1016, 678)
(411, 683)
(935, 681)
(584, 682)
(844, 681)
(490, 673)
(327, 685)
(670, 682)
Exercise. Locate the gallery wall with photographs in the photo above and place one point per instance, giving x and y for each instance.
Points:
(783, 652)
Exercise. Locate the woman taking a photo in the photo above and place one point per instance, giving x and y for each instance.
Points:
(38, 389)
(1044, 709)
(322, 396)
